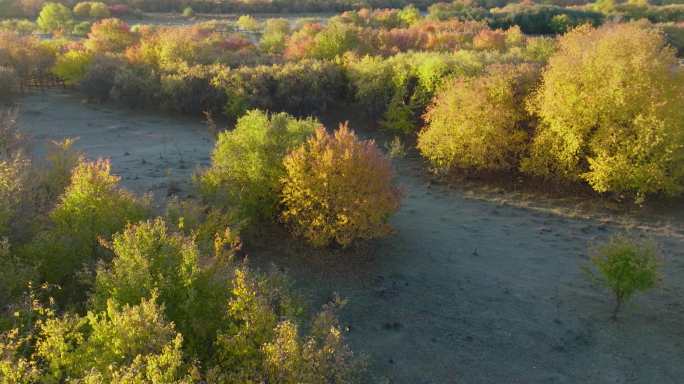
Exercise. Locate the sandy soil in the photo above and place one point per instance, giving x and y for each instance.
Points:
(467, 290)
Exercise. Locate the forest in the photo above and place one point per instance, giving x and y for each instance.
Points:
(338, 137)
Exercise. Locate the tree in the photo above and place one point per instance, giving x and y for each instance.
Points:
(338, 189)
(626, 267)
(56, 18)
(479, 123)
(611, 106)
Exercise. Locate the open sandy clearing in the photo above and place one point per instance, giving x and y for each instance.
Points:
(466, 291)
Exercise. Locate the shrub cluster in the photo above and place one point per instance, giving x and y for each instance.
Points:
(607, 112)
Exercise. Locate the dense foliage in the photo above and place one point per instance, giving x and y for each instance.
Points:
(247, 162)
(480, 123)
(610, 110)
(338, 189)
(94, 294)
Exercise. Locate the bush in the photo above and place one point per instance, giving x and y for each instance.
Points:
(188, 12)
(148, 261)
(338, 189)
(81, 29)
(92, 207)
(248, 23)
(98, 81)
(611, 112)
(137, 86)
(55, 18)
(626, 267)
(73, 66)
(82, 10)
(479, 123)
(99, 11)
(191, 90)
(110, 36)
(120, 345)
(9, 85)
(274, 36)
(247, 162)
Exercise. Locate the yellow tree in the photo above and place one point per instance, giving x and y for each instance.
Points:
(611, 110)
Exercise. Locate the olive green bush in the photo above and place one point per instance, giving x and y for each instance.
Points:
(247, 162)
(479, 123)
(610, 110)
(93, 207)
(338, 189)
(150, 260)
(98, 81)
(625, 266)
(72, 66)
(55, 18)
(119, 345)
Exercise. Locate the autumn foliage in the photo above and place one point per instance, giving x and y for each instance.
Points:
(338, 189)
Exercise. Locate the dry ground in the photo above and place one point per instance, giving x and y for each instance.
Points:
(468, 290)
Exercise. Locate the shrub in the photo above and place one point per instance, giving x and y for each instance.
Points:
(110, 36)
(13, 170)
(98, 81)
(148, 261)
(136, 86)
(274, 36)
(479, 123)
(72, 66)
(99, 11)
(248, 23)
(338, 189)
(82, 10)
(626, 267)
(9, 85)
(488, 39)
(13, 180)
(92, 207)
(611, 112)
(81, 29)
(56, 18)
(247, 162)
(188, 12)
(334, 40)
(192, 90)
(120, 345)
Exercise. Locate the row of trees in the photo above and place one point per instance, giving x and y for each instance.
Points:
(607, 111)
(532, 136)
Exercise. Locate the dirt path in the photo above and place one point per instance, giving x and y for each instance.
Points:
(466, 291)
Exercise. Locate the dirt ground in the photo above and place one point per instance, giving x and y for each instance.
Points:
(468, 290)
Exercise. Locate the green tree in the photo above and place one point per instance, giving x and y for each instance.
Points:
(611, 106)
(626, 267)
(56, 18)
